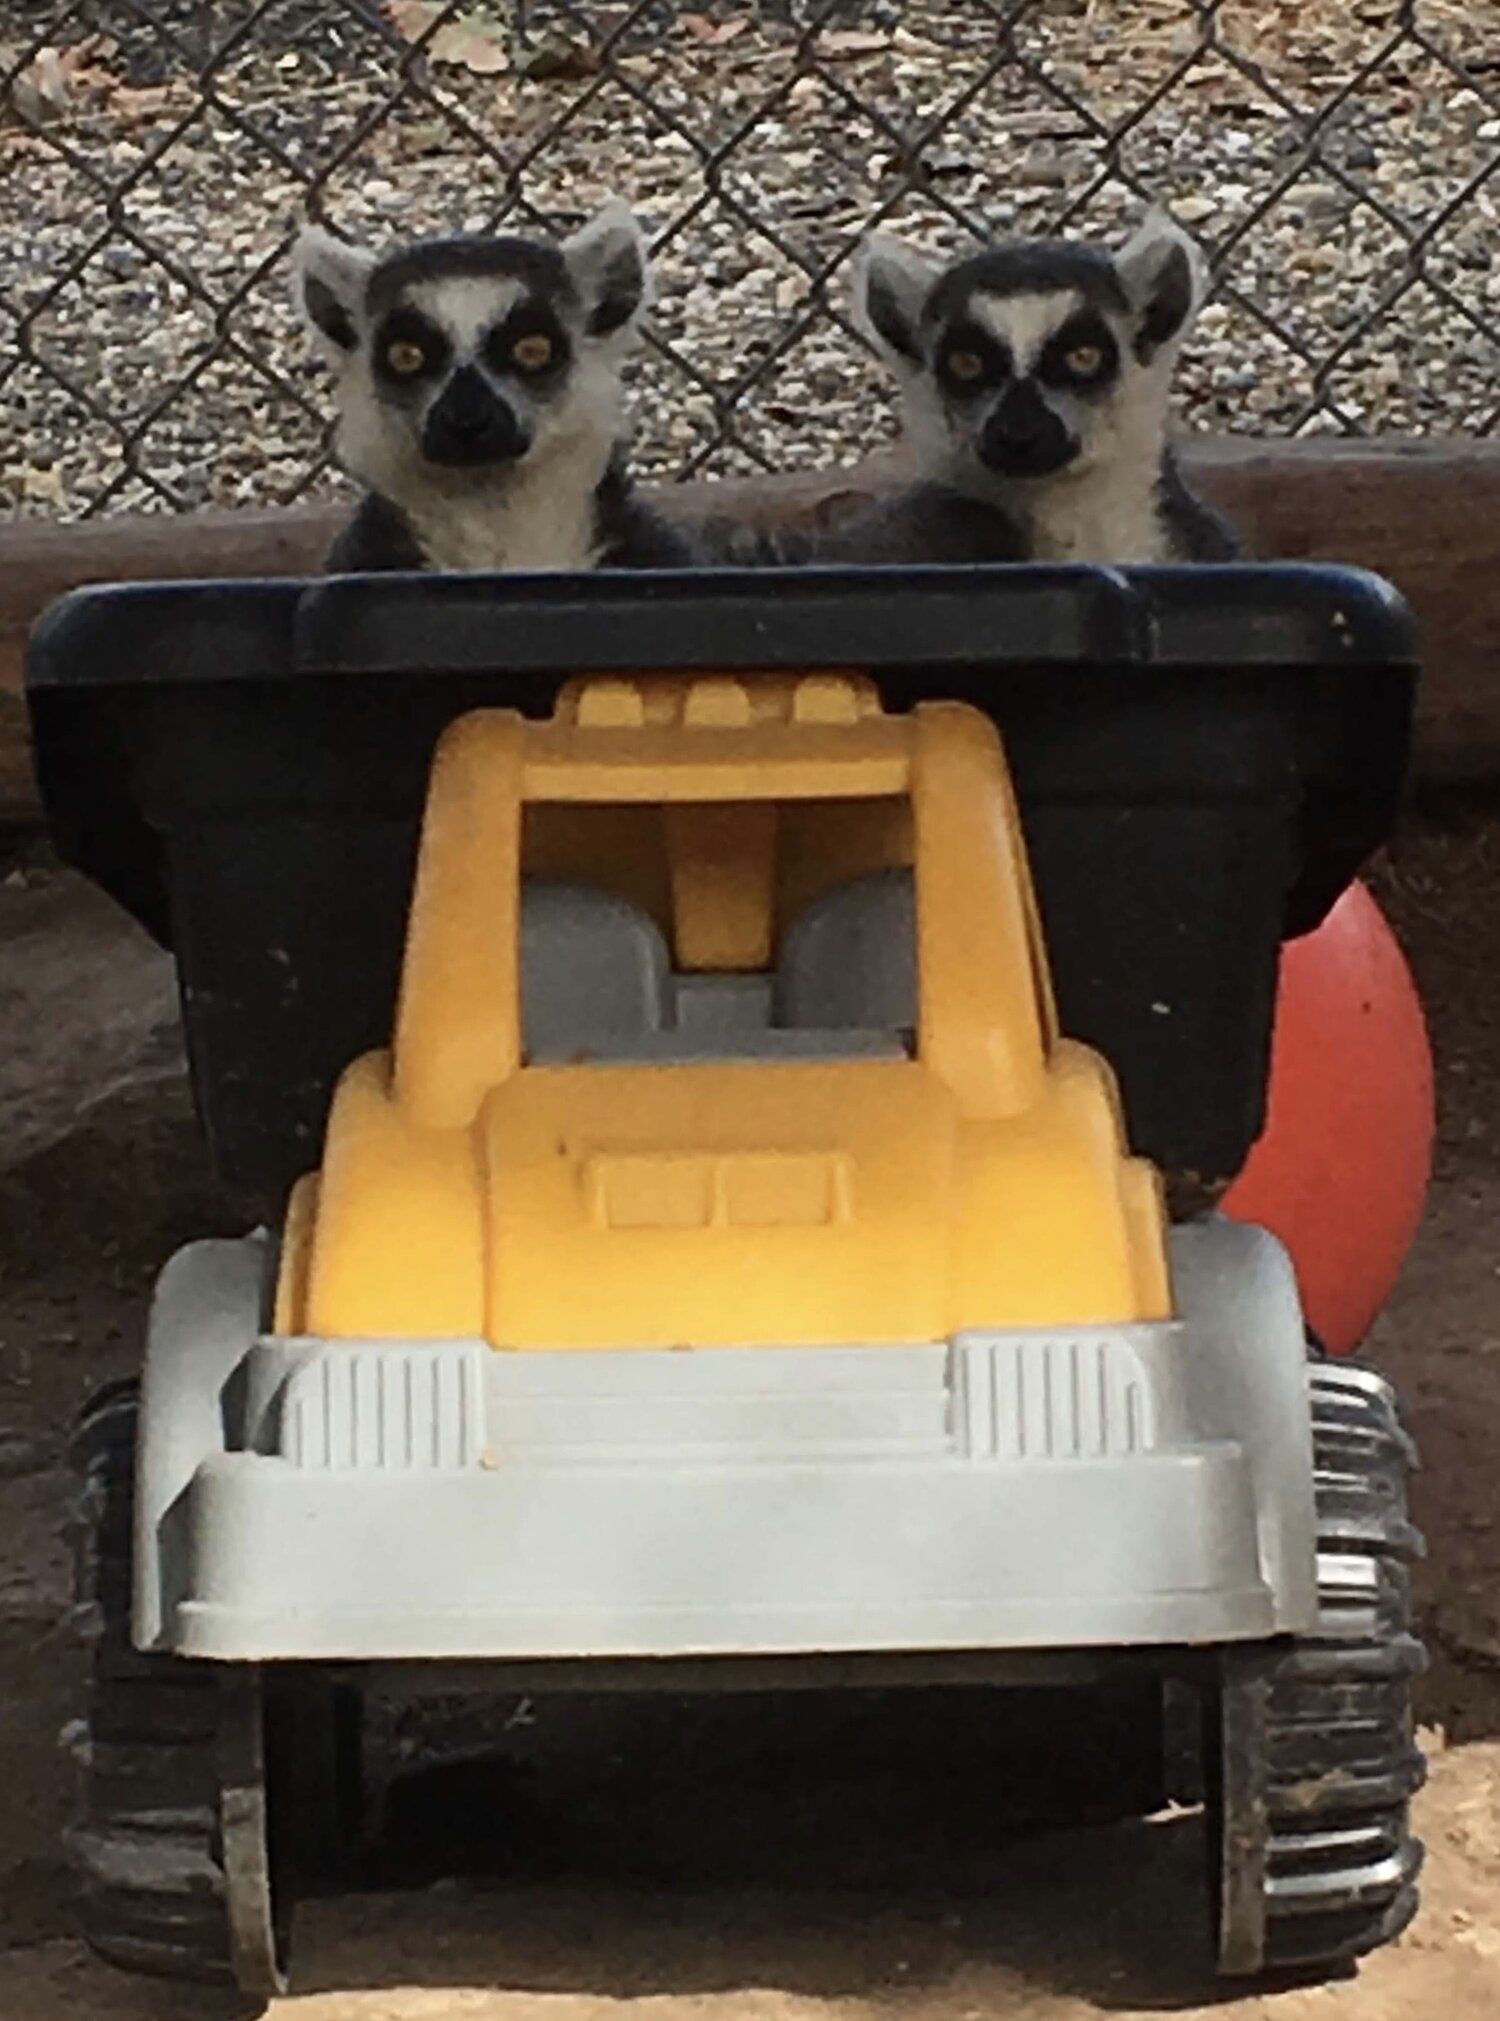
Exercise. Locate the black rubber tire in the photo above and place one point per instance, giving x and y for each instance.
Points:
(146, 1846)
(1312, 1761)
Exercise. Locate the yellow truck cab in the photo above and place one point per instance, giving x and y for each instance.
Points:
(725, 1020)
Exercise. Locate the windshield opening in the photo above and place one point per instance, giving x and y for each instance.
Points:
(754, 930)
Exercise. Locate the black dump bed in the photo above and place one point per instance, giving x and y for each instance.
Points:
(1204, 759)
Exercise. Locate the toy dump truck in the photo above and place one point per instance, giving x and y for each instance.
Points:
(719, 1152)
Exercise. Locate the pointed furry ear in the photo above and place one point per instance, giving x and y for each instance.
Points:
(329, 277)
(892, 282)
(608, 265)
(1165, 278)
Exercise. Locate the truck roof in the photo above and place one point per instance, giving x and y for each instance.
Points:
(716, 737)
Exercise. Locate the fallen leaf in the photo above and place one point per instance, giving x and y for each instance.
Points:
(473, 41)
(713, 32)
(44, 90)
(411, 18)
(131, 107)
(42, 484)
(429, 136)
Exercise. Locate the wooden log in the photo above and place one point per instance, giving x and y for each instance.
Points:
(1426, 514)
(17, 792)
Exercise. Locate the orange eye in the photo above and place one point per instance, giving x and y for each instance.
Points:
(1084, 361)
(533, 353)
(965, 366)
(405, 358)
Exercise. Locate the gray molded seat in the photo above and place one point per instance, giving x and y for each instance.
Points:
(596, 982)
(849, 961)
(595, 971)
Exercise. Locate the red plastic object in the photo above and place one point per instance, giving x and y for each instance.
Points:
(1340, 1171)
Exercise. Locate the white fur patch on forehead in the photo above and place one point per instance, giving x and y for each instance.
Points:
(465, 307)
(1024, 322)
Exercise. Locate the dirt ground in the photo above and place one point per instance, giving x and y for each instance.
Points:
(672, 1870)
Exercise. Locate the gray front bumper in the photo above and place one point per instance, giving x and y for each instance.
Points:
(1137, 1485)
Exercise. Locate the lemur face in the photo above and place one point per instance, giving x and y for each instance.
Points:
(461, 357)
(1032, 358)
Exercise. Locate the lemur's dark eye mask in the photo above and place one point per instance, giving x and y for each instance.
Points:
(409, 350)
(971, 360)
(530, 344)
(1082, 357)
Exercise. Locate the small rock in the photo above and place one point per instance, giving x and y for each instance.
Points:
(1043, 168)
(555, 59)
(1472, 243)
(1321, 204)
(947, 163)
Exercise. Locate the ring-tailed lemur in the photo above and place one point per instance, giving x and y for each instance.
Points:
(480, 399)
(1036, 378)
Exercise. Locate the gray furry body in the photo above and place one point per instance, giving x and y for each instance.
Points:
(922, 522)
(480, 399)
(1035, 380)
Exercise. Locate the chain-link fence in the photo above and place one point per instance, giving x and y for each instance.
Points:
(1338, 158)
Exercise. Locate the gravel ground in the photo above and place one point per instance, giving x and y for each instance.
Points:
(144, 217)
